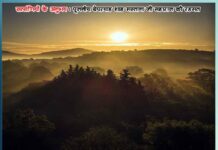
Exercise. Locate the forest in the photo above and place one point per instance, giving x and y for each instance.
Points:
(76, 106)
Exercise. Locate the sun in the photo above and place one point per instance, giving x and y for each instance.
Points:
(119, 36)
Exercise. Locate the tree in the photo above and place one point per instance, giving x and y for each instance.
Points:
(102, 138)
(76, 68)
(27, 131)
(110, 74)
(63, 75)
(179, 135)
(70, 71)
(205, 78)
(124, 76)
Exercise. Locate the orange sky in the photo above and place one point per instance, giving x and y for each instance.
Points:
(34, 33)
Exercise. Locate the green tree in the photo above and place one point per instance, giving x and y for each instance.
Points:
(28, 131)
(102, 138)
(205, 78)
(179, 135)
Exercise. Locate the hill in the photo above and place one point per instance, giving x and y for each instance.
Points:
(48, 55)
(11, 55)
(17, 76)
(64, 53)
(176, 62)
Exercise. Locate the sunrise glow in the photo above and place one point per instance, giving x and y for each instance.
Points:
(119, 36)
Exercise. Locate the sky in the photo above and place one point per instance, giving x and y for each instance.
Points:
(31, 33)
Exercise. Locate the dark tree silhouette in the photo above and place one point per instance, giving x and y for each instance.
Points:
(80, 98)
(25, 130)
(102, 138)
(205, 78)
(179, 135)
(124, 76)
(110, 75)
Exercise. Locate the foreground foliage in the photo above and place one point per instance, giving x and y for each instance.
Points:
(87, 110)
